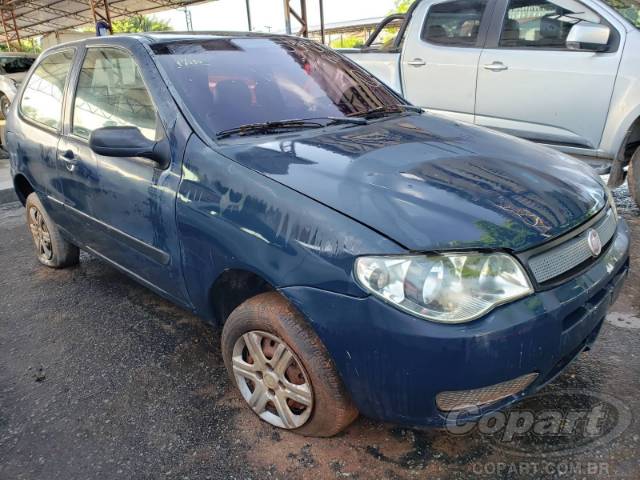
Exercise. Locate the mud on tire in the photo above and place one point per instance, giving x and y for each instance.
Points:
(272, 314)
(52, 249)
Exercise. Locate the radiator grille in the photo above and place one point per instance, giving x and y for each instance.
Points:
(568, 255)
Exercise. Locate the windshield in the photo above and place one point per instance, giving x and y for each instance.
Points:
(10, 65)
(629, 9)
(229, 82)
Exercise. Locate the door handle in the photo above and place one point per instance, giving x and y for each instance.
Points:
(417, 62)
(496, 67)
(69, 159)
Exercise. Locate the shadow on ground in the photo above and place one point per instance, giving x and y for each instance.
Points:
(100, 378)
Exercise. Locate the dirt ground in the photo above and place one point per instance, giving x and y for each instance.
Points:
(99, 378)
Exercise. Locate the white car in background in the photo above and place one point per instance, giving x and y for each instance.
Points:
(564, 73)
(13, 68)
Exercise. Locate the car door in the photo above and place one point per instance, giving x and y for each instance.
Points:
(36, 131)
(381, 54)
(440, 57)
(531, 85)
(129, 210)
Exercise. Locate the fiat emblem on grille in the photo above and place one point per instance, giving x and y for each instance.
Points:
(593, 240)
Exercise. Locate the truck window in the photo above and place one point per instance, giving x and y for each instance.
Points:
(454, 23)
(42, 98)
(386, 37)
(542, 24)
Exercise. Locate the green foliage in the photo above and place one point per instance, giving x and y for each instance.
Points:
(349, 41)
(402, 6)
(630, 9)
(140, 23)
(27, 45)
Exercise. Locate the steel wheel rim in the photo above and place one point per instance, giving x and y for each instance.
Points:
(40, 234)
(267, 384)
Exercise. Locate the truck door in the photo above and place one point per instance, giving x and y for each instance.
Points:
(532, 86)
(442, 47)
(130, 217)
(381, 54)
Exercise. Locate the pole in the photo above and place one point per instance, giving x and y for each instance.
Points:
(321, 21)
(303, 13)
(248, 14)
(287, 17)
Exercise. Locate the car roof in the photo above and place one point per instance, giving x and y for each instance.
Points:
(167, 37)
(154, 38)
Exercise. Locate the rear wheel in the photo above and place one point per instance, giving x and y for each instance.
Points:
(5, 103)
(51, 249)
(633, 176)
(283, 370)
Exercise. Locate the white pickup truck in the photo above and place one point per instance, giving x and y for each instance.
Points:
(564, 73)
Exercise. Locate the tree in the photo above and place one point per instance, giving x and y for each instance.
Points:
(140, 23)
(402, 6)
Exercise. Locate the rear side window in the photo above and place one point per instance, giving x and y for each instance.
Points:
(386, 37)
(43, 95)
(454, 23)
(111, 93)
(542, 24)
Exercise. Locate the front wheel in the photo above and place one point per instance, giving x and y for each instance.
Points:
(52, 249)
(633, 176)
(282, 369)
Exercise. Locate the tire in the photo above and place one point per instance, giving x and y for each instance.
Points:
(5, 103)
(633, 176)
(325, 407)
(51, 249)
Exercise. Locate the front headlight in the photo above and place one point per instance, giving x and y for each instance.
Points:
(448, 288)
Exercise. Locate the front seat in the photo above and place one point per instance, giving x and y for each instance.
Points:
(510, 34)
(436, 33)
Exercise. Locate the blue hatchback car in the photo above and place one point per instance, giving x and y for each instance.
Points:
(361, 256)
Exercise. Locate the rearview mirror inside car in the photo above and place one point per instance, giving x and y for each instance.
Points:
(127, 142)
(586, 36)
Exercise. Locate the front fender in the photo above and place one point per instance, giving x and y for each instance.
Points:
(231, 217)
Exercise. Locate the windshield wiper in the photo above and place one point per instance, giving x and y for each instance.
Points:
(354, 120)
(386, 110)
(297, 123)
(267, 127)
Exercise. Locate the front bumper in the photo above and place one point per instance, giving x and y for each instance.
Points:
(394, 364)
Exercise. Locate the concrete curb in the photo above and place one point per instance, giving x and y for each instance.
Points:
(8, 195)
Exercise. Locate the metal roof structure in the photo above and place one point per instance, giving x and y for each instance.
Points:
(31, 18)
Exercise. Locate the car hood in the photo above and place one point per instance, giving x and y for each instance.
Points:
(433, 184)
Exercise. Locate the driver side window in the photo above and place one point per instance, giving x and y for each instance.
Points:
(455, 23)
(542, 24)
(111, 92)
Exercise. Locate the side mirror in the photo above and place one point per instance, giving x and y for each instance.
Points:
(127, 142)
(590, 37)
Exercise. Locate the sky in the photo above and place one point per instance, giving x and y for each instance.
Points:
(268, 15)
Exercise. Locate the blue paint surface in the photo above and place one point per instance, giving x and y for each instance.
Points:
(297, 209)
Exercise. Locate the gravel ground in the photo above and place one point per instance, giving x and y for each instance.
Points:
(99, 378)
